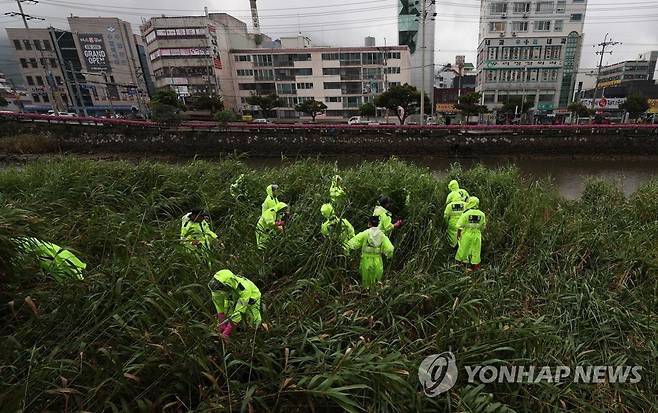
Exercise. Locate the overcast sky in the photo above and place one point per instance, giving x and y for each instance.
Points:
(346, 23)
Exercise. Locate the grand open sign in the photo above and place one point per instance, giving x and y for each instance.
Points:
(93, 52)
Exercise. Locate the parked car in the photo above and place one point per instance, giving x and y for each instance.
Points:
(52, 113)
(356, 120)
(261, 120)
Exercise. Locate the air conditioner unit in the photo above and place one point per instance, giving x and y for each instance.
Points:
(503, 16)
(513, 34)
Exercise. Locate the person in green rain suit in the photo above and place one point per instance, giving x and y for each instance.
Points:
(456, 193)
(271, 199)
(272, 220)
(195, 231)
(237, 188)
(336, 191)
(385, 219)
(451, 215)
(372, 243)
(469, 234)
(332, 221)
(54, 260)
(235, 298)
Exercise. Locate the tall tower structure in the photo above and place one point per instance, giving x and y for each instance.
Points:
(410, 33)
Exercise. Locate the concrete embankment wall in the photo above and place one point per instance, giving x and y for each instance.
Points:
(35, 137)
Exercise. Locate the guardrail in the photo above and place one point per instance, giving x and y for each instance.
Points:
(82, 120)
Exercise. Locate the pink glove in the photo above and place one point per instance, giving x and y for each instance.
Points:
(397, 224)
(221, 317)
(280, 223)
(228, 329)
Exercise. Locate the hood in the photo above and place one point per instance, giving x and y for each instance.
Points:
(453, 185)
(336, 179)
(280, 206)
(472, 202)
(375, 236)
(327, 210)
(271, 188)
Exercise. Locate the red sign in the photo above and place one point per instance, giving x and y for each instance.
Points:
(603, 102)
(217, 62)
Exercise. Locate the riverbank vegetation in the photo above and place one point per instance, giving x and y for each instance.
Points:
(562, 283)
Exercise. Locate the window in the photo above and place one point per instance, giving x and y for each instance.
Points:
(496, 26)
(542, 25)
(58, 80)
(536, 53)
(393, 55)
(247, 86)
(392, 70)
(46, 98)
(304, 71)
(498, 8)
(27, 44)
(561, 6)
(53, 63)
(245, 72)
(521, 7)
(331, 71)
(17, 44)
(558, 26)
(33, 63)
(35, 97)
(576, 17)
(544, 7)
(263, 74)
(505, 54)
(329, 56)
(492, 53)
(375, 58)
(37, 44)
(24, 63)
(304, 85)
(520, 26)
(30, 80)
(525, 53)
(242, 58)
(332, 85)
(263, 60)
(333, 99)
(552, 52)
(286, 88)
(391, 84)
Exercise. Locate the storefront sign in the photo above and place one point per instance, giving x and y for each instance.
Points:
(604, 103)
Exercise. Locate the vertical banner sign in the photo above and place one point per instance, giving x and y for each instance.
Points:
(93, 52)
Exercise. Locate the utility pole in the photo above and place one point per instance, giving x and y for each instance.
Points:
(107, 93)
(77, 87)
(601, 52)
(423, 19)
(423, 15)
(47, 75)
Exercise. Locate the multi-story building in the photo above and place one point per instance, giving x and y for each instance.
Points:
(92, 69)
(410, 33)
(641, 68)
(41, 53)
(342, 78)
(191, 53)
(110, 67)
(529, 49)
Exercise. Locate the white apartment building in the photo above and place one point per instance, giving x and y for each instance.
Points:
(530, 49)
(191, 53)
(343, 78)
(410, 33)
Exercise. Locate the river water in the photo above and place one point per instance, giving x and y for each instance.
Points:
(568, 175)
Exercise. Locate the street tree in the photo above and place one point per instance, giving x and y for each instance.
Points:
(580, 110)
(635, 104)
(266, 103)
(368, 109)
(165, 106)
(469, 105)
(515, 104)
(403, 100)
(311, 108)
(207, 102)
(225, 116)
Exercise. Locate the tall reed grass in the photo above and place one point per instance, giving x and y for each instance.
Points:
(563, 283)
